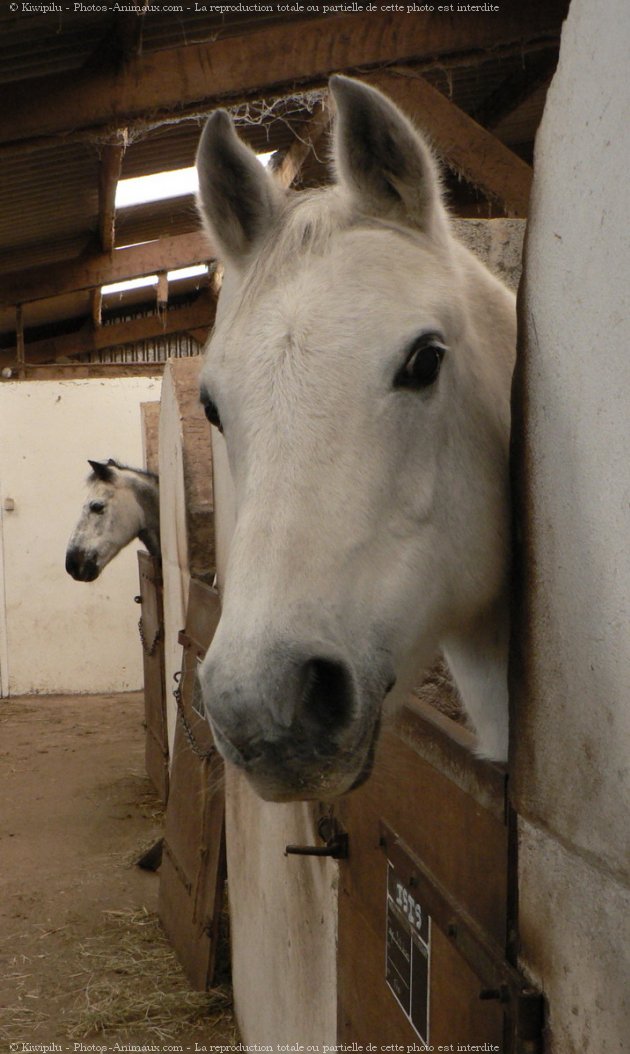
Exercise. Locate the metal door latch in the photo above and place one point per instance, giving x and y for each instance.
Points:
(335, 842)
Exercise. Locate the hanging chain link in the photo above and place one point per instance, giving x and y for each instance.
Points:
(185, 723)
(149, 649)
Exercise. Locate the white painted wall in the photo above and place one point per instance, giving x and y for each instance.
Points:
(58, 635)
(572, 756)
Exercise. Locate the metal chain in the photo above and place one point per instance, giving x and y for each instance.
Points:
(149, 649)
(181, 713)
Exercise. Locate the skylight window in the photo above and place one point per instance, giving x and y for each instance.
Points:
(131, 283)
(157, 187)
(162, 185)
(151, 279)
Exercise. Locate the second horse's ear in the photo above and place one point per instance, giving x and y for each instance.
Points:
(238, 199)
(101, 469)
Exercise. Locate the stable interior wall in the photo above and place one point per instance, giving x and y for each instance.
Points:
(571, 683)
(58, 635)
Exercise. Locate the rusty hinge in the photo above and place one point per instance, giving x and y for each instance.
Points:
(522, 1005)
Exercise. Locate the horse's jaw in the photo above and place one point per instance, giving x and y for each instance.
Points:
(287, 770)
(478, 659)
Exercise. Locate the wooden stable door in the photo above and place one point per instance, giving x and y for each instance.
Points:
(424, 900)
(151, 628)
(192, 876)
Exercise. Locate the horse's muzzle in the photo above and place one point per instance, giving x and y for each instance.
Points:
(306, 731)
(81, 566)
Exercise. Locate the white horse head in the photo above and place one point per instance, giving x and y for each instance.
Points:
(360, 370)
(122, 504)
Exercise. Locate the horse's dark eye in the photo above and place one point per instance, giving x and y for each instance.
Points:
(212, 414)
(97, 506)
(422, 365)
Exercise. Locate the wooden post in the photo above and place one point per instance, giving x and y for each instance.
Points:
(162, 292)
(97, 306)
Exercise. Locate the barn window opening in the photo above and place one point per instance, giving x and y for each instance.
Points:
(152, 279)
(159, 186)
(139, 190)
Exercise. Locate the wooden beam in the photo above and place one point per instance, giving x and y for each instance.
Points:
(535, 71)
(96, 304)
(109, 174)
(198, 76)
(199, 315)
(464, 145)
(165, 254)
(162, 291)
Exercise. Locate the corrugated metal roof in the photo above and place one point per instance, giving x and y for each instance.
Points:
(52, 196)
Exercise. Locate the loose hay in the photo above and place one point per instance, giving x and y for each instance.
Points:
(132, 987)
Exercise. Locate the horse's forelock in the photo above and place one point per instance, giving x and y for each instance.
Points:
(307, 225)
(143, 475)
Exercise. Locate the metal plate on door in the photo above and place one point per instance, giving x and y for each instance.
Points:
(408, 951)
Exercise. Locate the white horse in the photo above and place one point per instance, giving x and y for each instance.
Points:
(360, 370)
(122, 504)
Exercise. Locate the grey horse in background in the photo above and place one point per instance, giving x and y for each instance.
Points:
(122, 504)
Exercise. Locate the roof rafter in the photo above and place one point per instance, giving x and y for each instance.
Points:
(109, 173)
(521, 84)
(198, 316)
(464, 145)
(173, 81)
(165, 254)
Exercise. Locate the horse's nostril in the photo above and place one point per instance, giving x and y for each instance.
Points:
(72, 563)
(327, 695)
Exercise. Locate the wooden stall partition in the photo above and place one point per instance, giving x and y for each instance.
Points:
(151, 627)
(192, 876)
(425, 899)
(150, 417)
(186, 505)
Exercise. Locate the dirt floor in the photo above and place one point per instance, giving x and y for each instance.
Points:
(82, 956)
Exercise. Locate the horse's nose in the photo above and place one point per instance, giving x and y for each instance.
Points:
(287, 705)
(325, 694)
(81, 567)
(73, 563)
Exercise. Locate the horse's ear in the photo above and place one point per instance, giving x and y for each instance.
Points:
(238, 199)
(382, 160)
(101, 469)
